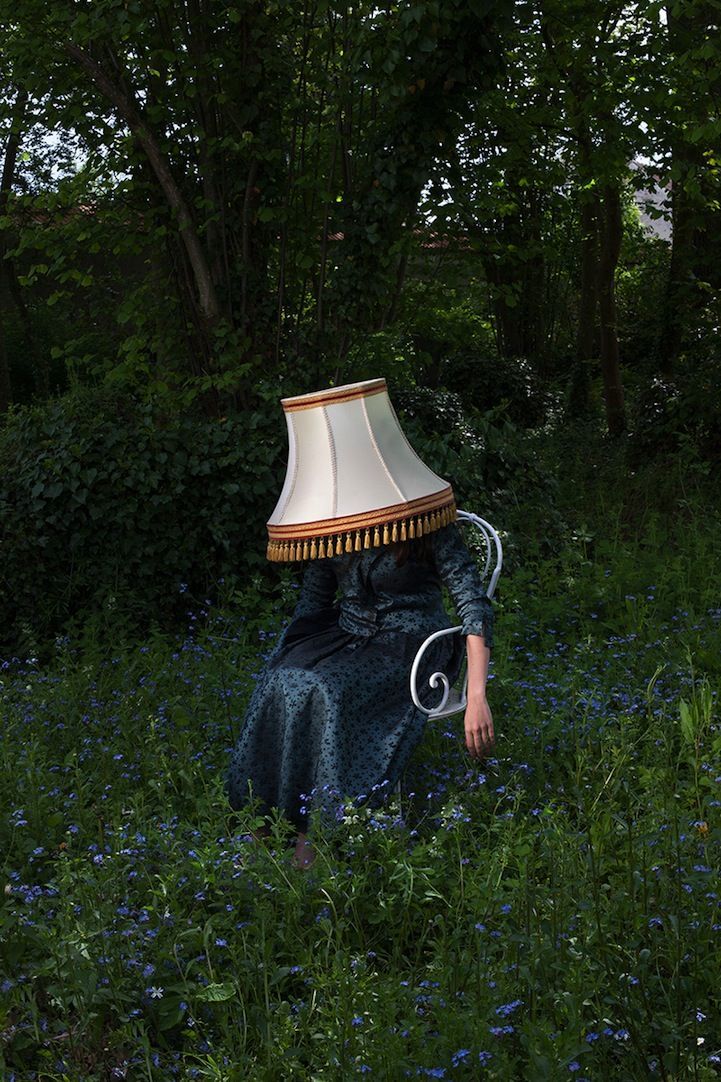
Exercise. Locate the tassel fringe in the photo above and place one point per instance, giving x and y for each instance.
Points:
(355, 540)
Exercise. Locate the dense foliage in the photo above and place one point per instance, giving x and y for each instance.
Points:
(205, 205)
(111, 504)
(193, 192)
(549, 913)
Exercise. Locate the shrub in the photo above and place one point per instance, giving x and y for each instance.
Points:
(121, 509)
(679, 412)
(510, 384)
(493, 465)
(106, 501)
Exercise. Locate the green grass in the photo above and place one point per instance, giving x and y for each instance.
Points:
(550, 913)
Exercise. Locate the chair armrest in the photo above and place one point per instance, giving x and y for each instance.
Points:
(452, 701)
(436, 679)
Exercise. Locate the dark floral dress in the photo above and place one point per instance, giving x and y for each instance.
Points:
(332, 711)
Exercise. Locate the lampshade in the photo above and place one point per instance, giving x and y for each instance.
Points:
(353, 481)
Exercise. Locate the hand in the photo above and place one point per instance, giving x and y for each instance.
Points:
(479, 728)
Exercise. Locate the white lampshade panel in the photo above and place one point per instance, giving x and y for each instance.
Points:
(353, 480)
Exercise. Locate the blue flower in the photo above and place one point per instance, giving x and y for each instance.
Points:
(508, 1008)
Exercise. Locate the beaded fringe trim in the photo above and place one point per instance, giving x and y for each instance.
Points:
(318, 548)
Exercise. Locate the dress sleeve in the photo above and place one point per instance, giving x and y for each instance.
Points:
(317, 591)
(460, 575)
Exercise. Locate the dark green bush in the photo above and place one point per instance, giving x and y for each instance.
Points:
(121, 511)
(493, 465)
(673, 412)
(108, 502)
(508, 384)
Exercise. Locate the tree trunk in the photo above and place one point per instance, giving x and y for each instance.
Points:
(686, 27)
(6, 391)
(678, 283)
(503, 274)
(211, 177)
(611, 234)
(8, 171)
(586, 333)
(9, 285)
(131, 113)
(534, 287)
(580, 389)
(515, 267)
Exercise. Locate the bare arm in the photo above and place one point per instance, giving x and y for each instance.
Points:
(478, 717)
(458, 570)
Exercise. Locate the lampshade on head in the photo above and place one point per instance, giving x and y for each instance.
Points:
(353, 481)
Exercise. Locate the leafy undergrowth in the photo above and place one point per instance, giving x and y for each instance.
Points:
(551, 912)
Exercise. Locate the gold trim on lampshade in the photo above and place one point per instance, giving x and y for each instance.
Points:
(353, 481)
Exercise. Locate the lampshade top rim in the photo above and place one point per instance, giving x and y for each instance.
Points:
(334, 394)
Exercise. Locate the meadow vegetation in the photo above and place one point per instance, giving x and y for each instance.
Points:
(512, 212)
(551, 912)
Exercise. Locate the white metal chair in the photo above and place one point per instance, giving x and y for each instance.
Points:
(453, 701)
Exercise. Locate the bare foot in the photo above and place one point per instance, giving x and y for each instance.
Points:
(250, 855)
(304, 853)
(262, 832)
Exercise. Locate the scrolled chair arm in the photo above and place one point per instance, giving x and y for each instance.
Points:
(438, 678)
(453, 701)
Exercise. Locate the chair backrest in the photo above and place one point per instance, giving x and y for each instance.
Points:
(492, 545)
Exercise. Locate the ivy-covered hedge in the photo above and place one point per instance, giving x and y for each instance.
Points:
(679, 412)
(115, 507)
(490, 461)
(105, 501)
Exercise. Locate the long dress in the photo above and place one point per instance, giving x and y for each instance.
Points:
(331, 712)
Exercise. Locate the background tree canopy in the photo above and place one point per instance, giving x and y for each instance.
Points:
(205, 205)
(512, 212)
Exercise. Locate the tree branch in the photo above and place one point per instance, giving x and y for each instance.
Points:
(132, 114)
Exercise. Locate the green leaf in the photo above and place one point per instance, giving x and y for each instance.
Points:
(687, 726)
(216, 993)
